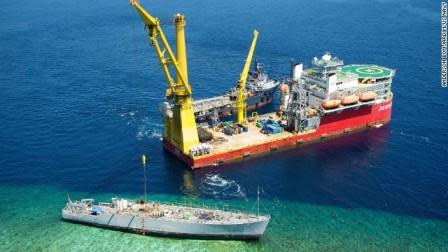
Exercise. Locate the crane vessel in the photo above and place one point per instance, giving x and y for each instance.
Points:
(324, 101)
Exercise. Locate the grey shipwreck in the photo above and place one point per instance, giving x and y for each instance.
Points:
(166, 219)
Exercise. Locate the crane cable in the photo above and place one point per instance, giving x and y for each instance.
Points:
(134, 32)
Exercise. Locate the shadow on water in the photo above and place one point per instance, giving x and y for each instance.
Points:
(348, 172)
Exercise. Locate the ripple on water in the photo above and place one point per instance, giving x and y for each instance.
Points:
(213, 185)
(146, 127)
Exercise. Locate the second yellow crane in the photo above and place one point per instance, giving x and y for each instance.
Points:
(241, 88)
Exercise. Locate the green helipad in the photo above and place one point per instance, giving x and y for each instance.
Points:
(368, 71)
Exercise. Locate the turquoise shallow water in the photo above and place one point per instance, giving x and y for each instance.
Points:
(30, 222)
(79, 95)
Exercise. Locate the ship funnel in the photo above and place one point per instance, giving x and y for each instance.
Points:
(297, 70)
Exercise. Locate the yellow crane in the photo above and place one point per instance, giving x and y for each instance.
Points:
(180, 128)
(241, 88)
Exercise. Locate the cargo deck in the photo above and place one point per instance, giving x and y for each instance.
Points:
(227, 149)
(222, 143)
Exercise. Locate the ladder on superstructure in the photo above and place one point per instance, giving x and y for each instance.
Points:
(296, 108)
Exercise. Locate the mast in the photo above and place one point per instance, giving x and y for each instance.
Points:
(144, 174)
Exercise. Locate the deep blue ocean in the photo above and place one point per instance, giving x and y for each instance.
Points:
(80, 89)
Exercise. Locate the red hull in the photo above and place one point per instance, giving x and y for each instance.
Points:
(331, 125)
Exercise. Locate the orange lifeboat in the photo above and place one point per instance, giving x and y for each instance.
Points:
(349, 100)
(311, 112)
(367, 96)
(284, 89)
(331, 104)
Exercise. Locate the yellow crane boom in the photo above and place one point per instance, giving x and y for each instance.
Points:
(155, 33)
(241, 88)
(180, 128)
(180, 125)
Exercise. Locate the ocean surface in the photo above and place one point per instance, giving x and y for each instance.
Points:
(80, 90)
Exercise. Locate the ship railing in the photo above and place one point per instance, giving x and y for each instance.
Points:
(385, 80)
(342, 107)
(87, 201)
(188, 204)
(356, 90)
(378, 90)
(314, 78)
(334, 61)
(105, 204)
(212, 207)
(320, 93)
(208, 104)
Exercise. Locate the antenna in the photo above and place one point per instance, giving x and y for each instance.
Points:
(258, 201)
(68, 196)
